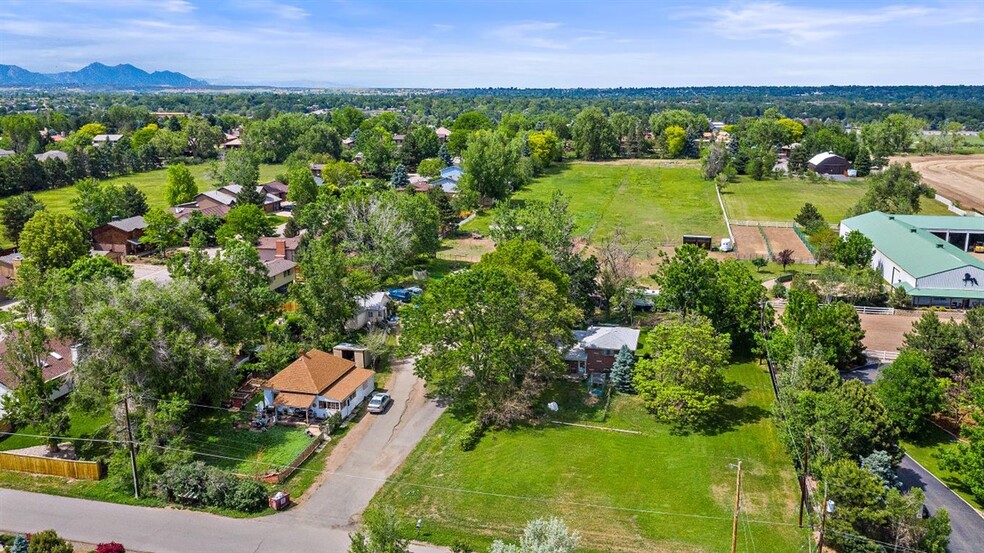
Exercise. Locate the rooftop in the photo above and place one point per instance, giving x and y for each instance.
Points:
(914, 249)
(129, 224)
(279, 265)
(56, 362)
(819, 158)
(312, 373)
(944, 222)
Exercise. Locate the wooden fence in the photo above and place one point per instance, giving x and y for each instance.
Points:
(79, 470)
(299, 460)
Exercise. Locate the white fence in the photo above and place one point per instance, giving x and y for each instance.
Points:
(882, 356)
(774, 224)
(949, 205)
(867, 310)
(861, 309)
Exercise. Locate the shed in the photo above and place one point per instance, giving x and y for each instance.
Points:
(829, 163)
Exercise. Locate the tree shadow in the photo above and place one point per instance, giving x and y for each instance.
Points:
(726, 418)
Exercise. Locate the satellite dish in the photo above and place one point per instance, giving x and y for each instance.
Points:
(553, 406)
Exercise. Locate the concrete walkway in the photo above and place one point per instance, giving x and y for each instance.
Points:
(354, 473)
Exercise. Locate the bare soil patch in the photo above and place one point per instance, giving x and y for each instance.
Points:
(887, 332)
(786, 238)
(955, 177)
(466, 249)
(749, 241)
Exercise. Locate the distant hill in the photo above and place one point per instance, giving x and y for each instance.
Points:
(97, 75)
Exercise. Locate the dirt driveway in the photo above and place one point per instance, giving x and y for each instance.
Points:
(955, 177)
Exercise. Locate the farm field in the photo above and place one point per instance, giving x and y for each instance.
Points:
(656, 202)
(955, 177)
(656, 491)
(781, 200)
(150, 183)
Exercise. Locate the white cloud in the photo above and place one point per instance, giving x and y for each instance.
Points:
(799, 25)
(173, 6)
(277, 9)
(529, 34)
(442, 27)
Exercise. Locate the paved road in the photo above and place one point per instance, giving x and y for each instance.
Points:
(356, 470)
(967, 535)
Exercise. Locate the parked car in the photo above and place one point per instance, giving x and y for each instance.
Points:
(379, 402)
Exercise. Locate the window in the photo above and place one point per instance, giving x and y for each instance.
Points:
(322, 404)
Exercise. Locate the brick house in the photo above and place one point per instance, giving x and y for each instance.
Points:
(274, 247)
(597, 347)
(121, 236)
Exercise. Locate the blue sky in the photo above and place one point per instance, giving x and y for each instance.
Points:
(534, 43)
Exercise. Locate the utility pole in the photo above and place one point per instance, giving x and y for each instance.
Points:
(734, 521)
(129, 443)
(806, 473)
(823, 519)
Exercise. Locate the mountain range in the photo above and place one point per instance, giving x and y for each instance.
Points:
(97, 75)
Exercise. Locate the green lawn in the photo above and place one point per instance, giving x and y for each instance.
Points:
(253, 451)
(781, 200)
(654, 491)
(84, 424)
(926, 448)
(653, 203)
(151, 183)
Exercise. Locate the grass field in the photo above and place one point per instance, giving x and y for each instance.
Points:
(925, 449)
(781, 200)
(653, 202)
(657, 491)
(150, 183)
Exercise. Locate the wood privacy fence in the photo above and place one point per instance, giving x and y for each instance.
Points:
(79, 470)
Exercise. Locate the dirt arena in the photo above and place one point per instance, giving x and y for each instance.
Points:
(957, 178)
(786, 238)
(886, 332)
(749, 241)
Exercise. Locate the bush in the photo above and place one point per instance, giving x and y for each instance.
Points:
(48, 542)
(779, 291)
(111, 547)
(212, 487)
(473, 434)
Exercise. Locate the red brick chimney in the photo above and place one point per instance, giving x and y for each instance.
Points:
(281, 248)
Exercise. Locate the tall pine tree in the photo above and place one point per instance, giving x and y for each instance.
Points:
(622, 371)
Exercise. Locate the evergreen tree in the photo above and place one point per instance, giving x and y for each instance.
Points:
(250, 195)
(863, 163)
(400, 178)
(797, 160)
(20, 544)
(622, 371)
(133, 202)
(445, 155)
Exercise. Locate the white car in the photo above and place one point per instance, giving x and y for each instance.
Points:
(379, 402)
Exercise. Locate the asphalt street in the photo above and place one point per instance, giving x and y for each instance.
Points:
(356, 469)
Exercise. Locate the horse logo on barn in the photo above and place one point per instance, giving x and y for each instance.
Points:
(970, 279)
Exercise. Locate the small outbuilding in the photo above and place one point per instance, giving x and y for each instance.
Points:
(829, 163)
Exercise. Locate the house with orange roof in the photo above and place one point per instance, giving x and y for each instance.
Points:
(317, 385)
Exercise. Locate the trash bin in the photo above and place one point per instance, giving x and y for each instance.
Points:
(279, 500)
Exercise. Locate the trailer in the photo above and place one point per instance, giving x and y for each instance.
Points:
(703, 242)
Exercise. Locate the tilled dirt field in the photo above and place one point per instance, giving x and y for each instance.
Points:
(786, 238)
(749, 241)
(957, 178)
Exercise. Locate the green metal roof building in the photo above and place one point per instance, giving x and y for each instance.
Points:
(926, 255)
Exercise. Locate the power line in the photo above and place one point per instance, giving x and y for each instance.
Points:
(413, 484)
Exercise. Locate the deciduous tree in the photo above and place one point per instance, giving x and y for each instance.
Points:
(52, 241)
(180, 185)
(682, 382)
(909, 391)
(16, 212)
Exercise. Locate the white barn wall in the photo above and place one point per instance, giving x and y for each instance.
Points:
(954, 279)
(890, 271)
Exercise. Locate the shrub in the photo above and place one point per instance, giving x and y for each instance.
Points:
(779, 291)
(473, 434)
(213, 487)
(48, 542)
(111, 547)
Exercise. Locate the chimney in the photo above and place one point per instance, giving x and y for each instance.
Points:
(281, 249)
(76, 350)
